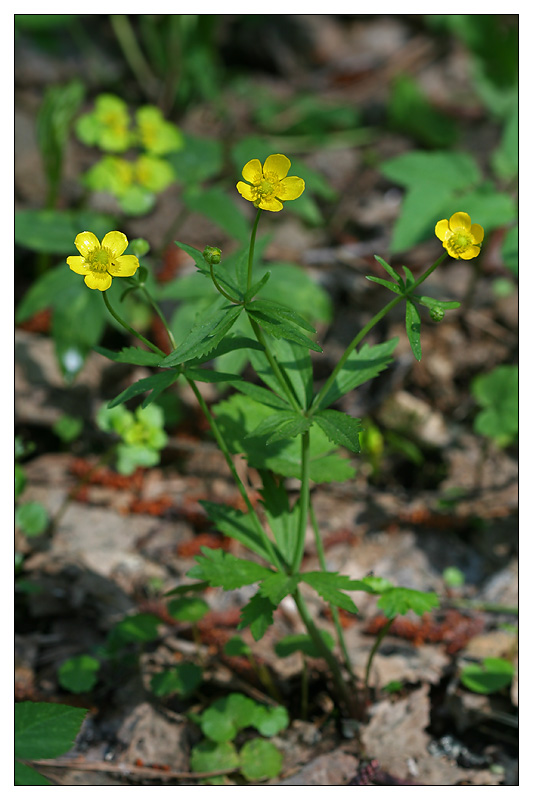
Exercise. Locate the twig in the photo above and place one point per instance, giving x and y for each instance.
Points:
(126, 770)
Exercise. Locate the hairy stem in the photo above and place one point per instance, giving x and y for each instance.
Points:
(131, 330)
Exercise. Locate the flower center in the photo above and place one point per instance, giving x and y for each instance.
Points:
(98, 260)
(460, 242)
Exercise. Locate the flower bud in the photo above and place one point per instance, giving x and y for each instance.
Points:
(212, 255)
(436, 314)
(139, 247)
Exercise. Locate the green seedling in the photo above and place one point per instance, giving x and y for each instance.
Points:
(497, 394)
(492, 675)
(142, 435)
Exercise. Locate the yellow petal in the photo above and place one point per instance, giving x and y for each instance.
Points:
(116, 242)
(442, 229)
(477, 232)
(98, 280)
(86, 242)
(245, 190)
(252, 171)
(270, 204)
(277, 164)
(290, 188)
(460, 220)
(472, 252)
(123, 266)
(77, 264)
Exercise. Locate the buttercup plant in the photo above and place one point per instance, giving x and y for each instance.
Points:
(283, 424)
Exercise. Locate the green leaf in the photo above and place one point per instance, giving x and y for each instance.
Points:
(447, 169)
(490, 676)
(239, 526)
(399, 600)
(340, 428)
(270, 720)
(283, 520)
(412, 326)
(329, 586)
(131, 355)
(260, 760)
(302, 643)
(210, 376)
(392, 272)
(497, 394)
(79, 674)
(205, 335)
(274, 310)
(155, 384)
(256, 287)
(239, 415)
(183, 679)
(361, 366)
(283, 425)
(225, 570)
(261, 395)
(45, 730)
(27, 776)
(214, 756)
(188, 609)
(201, 158)
(295, 363)
(258, 615)
(387, 284)
(281, 325)
(138, 628)
(227, 716)
(278, 586)
(487, 207)
(32, 518)
(411, 112)
(510, 249)
(49, 231)
(236, 646)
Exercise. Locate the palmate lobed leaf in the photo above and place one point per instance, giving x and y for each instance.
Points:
(361, 366)
(258, 615)
(330, 586)
(207, 332)
(399, 600)
(340, 428)
(155, 384)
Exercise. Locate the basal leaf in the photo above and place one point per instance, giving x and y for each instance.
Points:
(340, 428)
(225, 570)
(260, 759)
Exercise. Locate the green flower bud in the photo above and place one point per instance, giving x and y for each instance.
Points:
(436, 313)
(139, 247)
(212, 255)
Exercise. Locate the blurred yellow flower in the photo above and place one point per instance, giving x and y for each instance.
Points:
(460, 238)
(100, 263)
(268, 186)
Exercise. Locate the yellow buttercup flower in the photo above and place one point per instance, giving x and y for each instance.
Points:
(100, 263)
(460, 238)
(268, 186)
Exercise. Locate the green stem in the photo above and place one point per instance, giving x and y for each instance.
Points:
(368, 327)
(345, 695)
(131, 330)
(242, 489)
(304, 504)
(132, 52)
(251, 250)
(219, 288)
(379, 638)
(334, 609)
(161, 317)
(276, 369)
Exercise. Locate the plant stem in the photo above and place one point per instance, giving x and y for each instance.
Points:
(304, 503)
(334, 610)
(161, 316)
(276, 369)
(131, 330)
(344, 693)
(251, 250)
(242, 489)
(368, 327)
(379, 638)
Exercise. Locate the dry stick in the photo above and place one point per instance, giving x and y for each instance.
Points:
(126, 769)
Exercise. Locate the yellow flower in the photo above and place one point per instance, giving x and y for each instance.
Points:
(460, 238)
(100, 263)
(269, 184)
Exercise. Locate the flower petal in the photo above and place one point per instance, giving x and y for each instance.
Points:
(277, 164)
(245, 190)
(442, 229)
(86, 242)
(252, 171)
(477, 232)
(77, 264)
(290, 188)
(116, 242)
(98, 280)
(472, 252)
(270, 204)
(123, 266)
(460, 220)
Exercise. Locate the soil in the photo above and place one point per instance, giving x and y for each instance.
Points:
(117, 544)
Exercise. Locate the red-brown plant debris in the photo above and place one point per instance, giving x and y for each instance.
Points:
(212, 540)
(104, 476)
(39, 323)
(451, 628)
